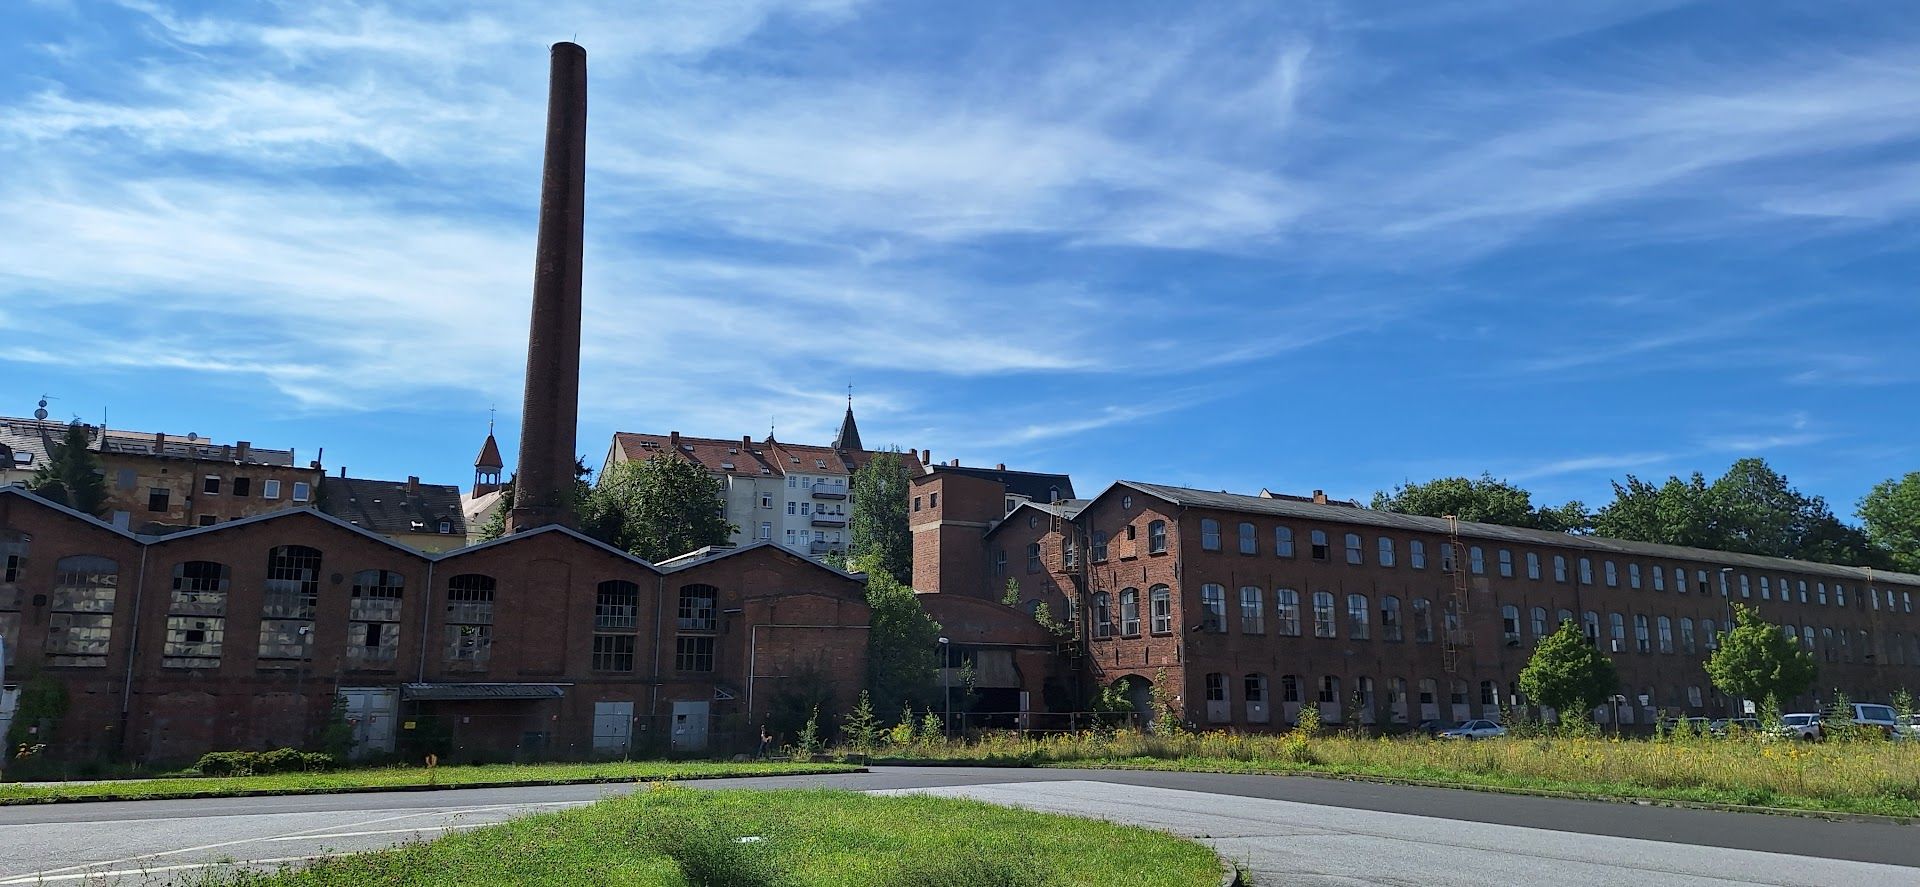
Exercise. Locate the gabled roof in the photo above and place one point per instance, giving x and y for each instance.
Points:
(809, 459)
(1066, 509)
(735, 456)
(1034, 485)
(713, 553)
(1347, 514)
(386, 506)
(283, 514)
(549, 528)
(70, 512)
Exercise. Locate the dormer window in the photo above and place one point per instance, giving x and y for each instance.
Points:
(446, 526)
(727, 466)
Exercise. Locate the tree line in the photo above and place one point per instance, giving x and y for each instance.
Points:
(1751, 509)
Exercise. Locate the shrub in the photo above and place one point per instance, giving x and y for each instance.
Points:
(257, 763)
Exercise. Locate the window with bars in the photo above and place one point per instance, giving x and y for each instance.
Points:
(470, 618)
(698, 610)
(693, 654)
(292, 595)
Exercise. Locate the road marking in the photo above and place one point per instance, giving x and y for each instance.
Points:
(80, 876)
(388, 831)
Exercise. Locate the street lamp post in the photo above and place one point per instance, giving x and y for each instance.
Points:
(946, 682)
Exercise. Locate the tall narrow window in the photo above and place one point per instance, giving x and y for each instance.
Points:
(1506, 563)
(1157, 537)
(1249, 539)
(1539, 617)
(1686, 634)
(373, 629)
(1510, 622)
(1033, 557)
(1323, 626)
(1358, 614)
(1289, 611)
(1253, 611)
(1446, 557)
(1386, 551)
(1586, 571)
(196, 616)
(1666, 634)
(1422, 620)
(1161, 599)
(1746, 586)
(1102, 615)
(1354, 554)
(470, 618)
(1613, 575)
(1319, 539)
(1209, 534)
(1130, 611)
(1283, 542)
(1417, 554)
(287, 609)
(1476, 560)
(1533, 565)
(1213, 608)
(1659, 579)
(1559, 568)
(1390, 629)
(1633, 575)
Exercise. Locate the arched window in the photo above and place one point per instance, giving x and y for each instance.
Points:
(196, 616)
(1590, 623)
(1746, 587)
(1213, 609)
(373, 629)
(1318, 540)
(1130, 611)
(1533, 565)
(1209, 534)
(1659, 579)
(1586, 571)
(1099, 553)
(1613, 575)
(1253, 610)
(1686, 635)
(1539, 618)
(1157, 537)
(288, 606)
(1416, 554)
(1390, 629)
(1102, 615)
(1806, 637)
(1354, 555)
(1679, 580)
(1666, 634)
(470, 618)
(1510, 622)
(1559, 568)
(1289, 611)
(1323, 614)
(699, 608)
(1707, 637)
(1283, 541)
(1358, 616)
(1422, 620)
(1249, 539)
(1385, 545)
(1160, 599)
(1561, 617)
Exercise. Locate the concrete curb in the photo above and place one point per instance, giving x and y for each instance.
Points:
(1230, 875)
(373, 789)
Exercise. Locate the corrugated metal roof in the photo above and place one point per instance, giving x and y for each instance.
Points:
(1346, 514)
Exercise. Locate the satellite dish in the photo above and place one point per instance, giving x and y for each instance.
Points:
(191, 437)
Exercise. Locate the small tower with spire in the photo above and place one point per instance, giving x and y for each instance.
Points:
(849, 437)
(486, 466)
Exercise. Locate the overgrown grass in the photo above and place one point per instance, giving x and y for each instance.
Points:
(1879, 777)
(400, 777)
(805, 838)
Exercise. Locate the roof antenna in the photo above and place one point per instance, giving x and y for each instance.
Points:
(490, 412)
(849, 394)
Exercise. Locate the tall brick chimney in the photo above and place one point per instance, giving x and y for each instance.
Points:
(549, 417)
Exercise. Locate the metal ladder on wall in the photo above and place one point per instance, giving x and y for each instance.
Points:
(1457, 635)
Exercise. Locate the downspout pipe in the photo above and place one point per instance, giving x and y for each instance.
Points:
(133, 648)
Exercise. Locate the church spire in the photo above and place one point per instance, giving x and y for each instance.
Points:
(849, 436)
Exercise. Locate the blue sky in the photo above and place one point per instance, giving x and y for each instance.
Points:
(1289, 245)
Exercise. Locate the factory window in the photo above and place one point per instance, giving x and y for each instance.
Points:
(1157, 537)
(1386, 551)
(1323, 626)
(693, 654)
(1249, 539)
(1253, 611)
(698, 609)
(614, 652)
(1130, 612)
(1209, 534)
(1283, 541)
(1161, 598)
(373, 629)
(470, 618)
(196, 616)
(80, 628)
(1354, 554)
(1213, 608)
(1289, 611)
(292, 597)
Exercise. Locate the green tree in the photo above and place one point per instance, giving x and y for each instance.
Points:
(861, 729)
(658, 508)
(1568, 675)
(1755, 660)
(1750, 509)
(72, 475)
(878, 535)
(496, 523)
(1483, 500)
(1891, 512)
(901, 647)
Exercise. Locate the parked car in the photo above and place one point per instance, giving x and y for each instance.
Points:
(1481, 729)
(1431, 727)
(1801, 726)
(1879, 717)
(1721, 726)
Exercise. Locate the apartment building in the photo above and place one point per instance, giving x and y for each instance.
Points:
(798, 496)
(1251, 607)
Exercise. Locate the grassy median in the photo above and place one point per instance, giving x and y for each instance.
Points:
(477, 776)
(1869, 776)
(672, 836)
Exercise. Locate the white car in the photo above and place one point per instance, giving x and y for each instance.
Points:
(1800, 726)
(1481, 729)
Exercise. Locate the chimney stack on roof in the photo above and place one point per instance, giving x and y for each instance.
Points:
(926, 457)
(159, 443)
(673, 440)
(954, 462)
(343, 471)
(746, 443)
(550, 413)
(413, 485)
(1319, 497)
(240, 451)
(999, 466)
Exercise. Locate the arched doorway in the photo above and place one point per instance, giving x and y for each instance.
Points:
(1139, 692)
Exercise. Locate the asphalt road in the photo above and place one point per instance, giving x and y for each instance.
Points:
(1288, 830)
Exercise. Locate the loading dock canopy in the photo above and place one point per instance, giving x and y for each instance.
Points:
(437, 692)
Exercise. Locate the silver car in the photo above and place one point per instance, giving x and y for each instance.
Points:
(1481, 729)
